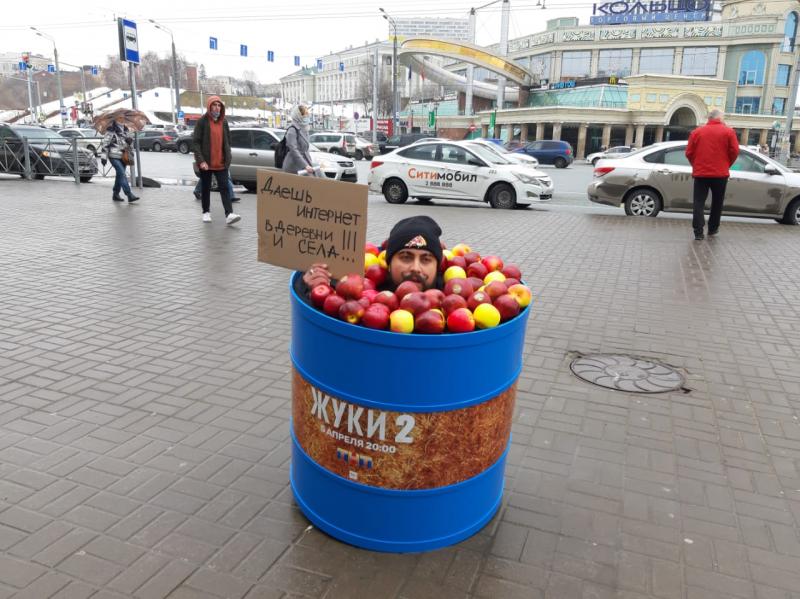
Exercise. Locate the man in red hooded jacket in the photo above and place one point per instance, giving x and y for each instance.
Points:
(212, 153)
(712, 150)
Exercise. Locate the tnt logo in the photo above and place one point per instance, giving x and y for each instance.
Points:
(344, 455)
(349, 457)
(365, 461)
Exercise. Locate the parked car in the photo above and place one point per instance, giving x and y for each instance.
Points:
(659, 177)
(88, 139)
(517, 157)
(614, 152)
(400, 141)
(456, 170)
(558, 153)
(379, 137)
(49, 153)
(335, 143)
(364, 149)
(253, 148)
(157, 140)
(184, 141)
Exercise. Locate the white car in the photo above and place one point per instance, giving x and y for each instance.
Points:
(456, 170)
(514, 157)
(615, 152)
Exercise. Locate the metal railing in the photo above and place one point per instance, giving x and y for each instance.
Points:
(36, 160)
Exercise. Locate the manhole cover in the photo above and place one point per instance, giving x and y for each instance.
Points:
(626, 373)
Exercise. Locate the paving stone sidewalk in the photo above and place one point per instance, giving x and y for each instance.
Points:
(145, 401)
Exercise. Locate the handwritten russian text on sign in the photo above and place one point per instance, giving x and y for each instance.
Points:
(303, 220)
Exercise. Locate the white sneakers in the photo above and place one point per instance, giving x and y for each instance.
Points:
(230, 219)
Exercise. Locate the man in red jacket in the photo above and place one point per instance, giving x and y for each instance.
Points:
(712, 150)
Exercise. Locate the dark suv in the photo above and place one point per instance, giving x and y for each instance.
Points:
(48, 153)
(554, 152)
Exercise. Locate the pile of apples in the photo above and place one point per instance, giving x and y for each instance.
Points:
(479, 293)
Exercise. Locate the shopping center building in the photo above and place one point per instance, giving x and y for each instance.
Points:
(649, 71)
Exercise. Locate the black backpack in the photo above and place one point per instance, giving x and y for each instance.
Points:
(281, 150)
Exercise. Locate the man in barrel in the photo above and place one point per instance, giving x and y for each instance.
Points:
(413, 253)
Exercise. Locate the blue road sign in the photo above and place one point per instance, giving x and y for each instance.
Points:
(95, 70)
(319, 64)
(51, 68)
(181, 114)
(242, 50)
(129, 41)
(270, 56)
(21, 66)
(212, 43)
(341, 66)
(297, 61)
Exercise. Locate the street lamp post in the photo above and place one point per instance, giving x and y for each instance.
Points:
(395, 99)
(174, 69)
(61, 106)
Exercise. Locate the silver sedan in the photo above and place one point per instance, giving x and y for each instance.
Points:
(659, 177)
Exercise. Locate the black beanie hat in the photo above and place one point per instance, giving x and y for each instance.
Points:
(415, 233)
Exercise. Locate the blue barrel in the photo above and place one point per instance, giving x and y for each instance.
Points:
(399, 441)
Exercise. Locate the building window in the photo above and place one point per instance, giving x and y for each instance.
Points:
(782, 76)
(751, 68)
(778, 106)
(576, 64)
(699, 61)
(789, 32)
(540, 65)
(747, 105)
(656, 61)
(614, 62)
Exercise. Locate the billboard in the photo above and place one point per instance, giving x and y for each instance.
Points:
(621, 12)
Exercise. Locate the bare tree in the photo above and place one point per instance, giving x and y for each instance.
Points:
(364, 89)
(250, 82)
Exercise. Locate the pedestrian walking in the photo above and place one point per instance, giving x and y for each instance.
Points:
(297, 157)
(116, 149)
(712, 150)
(212, 152)
(199, 188)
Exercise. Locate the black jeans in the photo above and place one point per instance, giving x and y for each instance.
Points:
(222, 185)
(701, 186)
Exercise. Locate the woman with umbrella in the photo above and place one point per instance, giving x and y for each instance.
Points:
(116, 148)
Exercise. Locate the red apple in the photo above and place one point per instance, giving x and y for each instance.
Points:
(376, 274)
(377, 317)
(430, 321)
(460, 321)
(319, 293)
(369, 294)
(405, 288)
(388, 299)
(492, 263)
(495, 289)
(350, 286)
(511, 281)
(443, 264)
(401, 321)
(453, 302)
(522, 294)
(435, 296)
(460, 287)
(477, 270)
(476, 283)
(472, 257)
(368, 284)
(512, 271)
(371, 248)
(416, 302)
(478, 298)
(364, 301)
(507, 305)
(332, 304)
(352, 311)
(457, 261)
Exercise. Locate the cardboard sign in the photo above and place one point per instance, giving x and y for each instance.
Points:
(303, 220)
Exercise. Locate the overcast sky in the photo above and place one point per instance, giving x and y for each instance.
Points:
(85, 31)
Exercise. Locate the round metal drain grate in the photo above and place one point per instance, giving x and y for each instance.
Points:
(626, 373)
